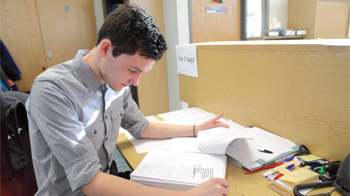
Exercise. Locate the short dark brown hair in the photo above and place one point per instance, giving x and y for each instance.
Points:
(130, 29)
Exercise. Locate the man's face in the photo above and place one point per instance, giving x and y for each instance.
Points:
(124, 70)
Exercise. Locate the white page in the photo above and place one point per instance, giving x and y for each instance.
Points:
(152, 119)
(182, 144)
(187, 116)
(144, 145)
(211, 141)
(186, 60)
(269, 141)
(180, 167)
(216, 140)
(250, 166)
(247, 151)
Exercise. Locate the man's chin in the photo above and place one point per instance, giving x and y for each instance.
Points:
(119, 88)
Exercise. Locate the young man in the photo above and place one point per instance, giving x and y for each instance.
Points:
(75, 110)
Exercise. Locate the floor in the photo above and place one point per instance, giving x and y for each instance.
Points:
(122, 165)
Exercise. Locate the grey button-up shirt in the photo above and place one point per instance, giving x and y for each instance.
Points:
(67, 124)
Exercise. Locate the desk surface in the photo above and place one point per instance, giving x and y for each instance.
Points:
(240, 183)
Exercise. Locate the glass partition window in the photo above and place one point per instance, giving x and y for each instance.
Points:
(260, 15)
(253, 19)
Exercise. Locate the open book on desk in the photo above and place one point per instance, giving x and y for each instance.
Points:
(248, 147)
(178, 170)
(266, 148)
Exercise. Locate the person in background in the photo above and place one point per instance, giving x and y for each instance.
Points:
(76, 108)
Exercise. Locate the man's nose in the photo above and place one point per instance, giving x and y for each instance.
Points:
(136, 79)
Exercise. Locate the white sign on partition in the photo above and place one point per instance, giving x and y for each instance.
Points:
(186, 58)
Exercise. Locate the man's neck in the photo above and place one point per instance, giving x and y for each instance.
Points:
(91, 59)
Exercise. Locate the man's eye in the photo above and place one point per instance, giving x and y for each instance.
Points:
(132, 71)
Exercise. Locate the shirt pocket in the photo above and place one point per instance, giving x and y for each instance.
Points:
(95, 133)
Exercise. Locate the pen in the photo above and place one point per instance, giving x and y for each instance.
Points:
(270, 175)
(288, 159)
(278, 176)
(290, 167)
(266, 167)
(266, 151)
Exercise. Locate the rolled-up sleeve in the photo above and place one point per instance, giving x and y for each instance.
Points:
(133, 120)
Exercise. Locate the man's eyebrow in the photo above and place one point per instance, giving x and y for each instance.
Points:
(138, 69)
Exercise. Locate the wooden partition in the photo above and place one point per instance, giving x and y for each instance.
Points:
(296, 89)
(222, 26)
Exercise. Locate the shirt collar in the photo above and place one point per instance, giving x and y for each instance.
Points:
(85, 73)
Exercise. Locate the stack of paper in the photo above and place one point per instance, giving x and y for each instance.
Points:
(178, 170)
(183, 163)
(188, 116)
(242, 145)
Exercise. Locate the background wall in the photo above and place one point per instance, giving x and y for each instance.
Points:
(42, 33)
(20, 32)
(332, 19)
(215, 26)
(325, 19)
(66, 26)
(20, 26)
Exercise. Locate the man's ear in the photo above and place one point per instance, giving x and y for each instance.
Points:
(105, 46)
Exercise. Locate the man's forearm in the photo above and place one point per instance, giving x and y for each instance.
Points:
(161, 130)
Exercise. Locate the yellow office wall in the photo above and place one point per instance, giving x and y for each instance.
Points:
(302, 15)
(216, 26)
(332, 19)
(325, 19)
